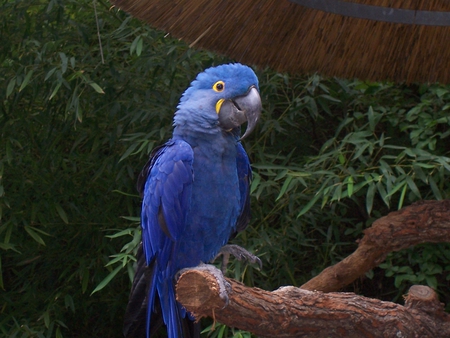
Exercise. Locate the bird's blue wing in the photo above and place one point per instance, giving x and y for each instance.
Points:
(167, 193)
(245, 176)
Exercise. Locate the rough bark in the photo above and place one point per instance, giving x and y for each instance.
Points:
(309, 312)
(421, 222)
(294, 312)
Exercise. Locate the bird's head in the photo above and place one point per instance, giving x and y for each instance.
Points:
(220, 99)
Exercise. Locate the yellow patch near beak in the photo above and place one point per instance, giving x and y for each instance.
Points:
(219, 105)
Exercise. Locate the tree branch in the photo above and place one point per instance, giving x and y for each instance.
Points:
(293, 312)
(421, 222)
(302, 312)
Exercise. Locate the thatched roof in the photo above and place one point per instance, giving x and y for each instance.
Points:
(298, 38)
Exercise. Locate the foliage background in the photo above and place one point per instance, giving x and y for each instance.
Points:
(330, 156)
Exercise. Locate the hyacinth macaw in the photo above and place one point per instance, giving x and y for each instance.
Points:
(195, 191)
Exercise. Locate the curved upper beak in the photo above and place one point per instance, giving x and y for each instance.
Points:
(235, 112)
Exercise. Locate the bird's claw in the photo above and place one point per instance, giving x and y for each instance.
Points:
(239, 253)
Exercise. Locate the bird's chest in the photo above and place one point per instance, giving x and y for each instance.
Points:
(215, 202)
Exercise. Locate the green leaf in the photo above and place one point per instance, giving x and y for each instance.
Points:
(134, 44)
(64, 62)
(397, 187)
(69, 303)
(79, 112)
(402, 197)
(32, 232)
(337, 194)
(311, 202)
(84, 282)
(413, 186)
(255, 182)
(382, 191)
(350, 186)
(106, 281)
(50, 73)
(26, 80)
(131, 272)
(371, 116)
(434, 188)
(62, 213)
(97, 88)
(139, 46)
(55, 90)
(10, 88)
(369, 197)
(8, 246)
(285, 186)
(126, 232)
(128, 151)
(46, 317)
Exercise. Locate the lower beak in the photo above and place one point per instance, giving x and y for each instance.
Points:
(235, 112)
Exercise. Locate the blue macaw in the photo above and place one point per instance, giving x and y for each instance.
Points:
(195, 191)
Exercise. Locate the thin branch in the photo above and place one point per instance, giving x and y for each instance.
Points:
(98, 32)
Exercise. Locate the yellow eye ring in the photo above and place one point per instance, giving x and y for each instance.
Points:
(219, 86)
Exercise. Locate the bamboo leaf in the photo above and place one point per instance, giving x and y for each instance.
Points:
(310, 203)
(107, 279)
(285, 186)
(46, 317)
(139, 46)
(69, 303)
(402, 197)
(30, 230)
(434, 188)
(50, 73)
(26, 80)
(350, 186)
(62, 213)
(96, 87)
(84, 281)
(413, 186)
(64, 62)
(128, 151)
(370, 197)
(55, 90)
(10, 87)
(371, 117)
(255, 183)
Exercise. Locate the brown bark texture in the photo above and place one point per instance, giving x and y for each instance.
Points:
(293, 312)
(421, 222)
(314, 311)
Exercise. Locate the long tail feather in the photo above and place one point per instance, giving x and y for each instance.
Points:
(142, 320)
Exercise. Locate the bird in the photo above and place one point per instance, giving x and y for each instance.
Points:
(195, 195)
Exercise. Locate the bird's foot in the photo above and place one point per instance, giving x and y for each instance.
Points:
(239, 253)
(224, 286)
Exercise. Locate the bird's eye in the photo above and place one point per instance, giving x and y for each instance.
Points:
(219, 86)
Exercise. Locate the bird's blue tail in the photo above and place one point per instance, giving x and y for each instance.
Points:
(173, 313)
(146, 303)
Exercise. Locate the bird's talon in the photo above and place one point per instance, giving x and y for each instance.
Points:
(239, 253)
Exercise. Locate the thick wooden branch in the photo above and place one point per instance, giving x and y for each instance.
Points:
(421, 222)
(308, 312)
(294, 312)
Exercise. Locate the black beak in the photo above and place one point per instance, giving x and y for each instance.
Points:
(235, 112)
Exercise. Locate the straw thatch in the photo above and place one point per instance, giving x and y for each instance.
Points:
(290, 37)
